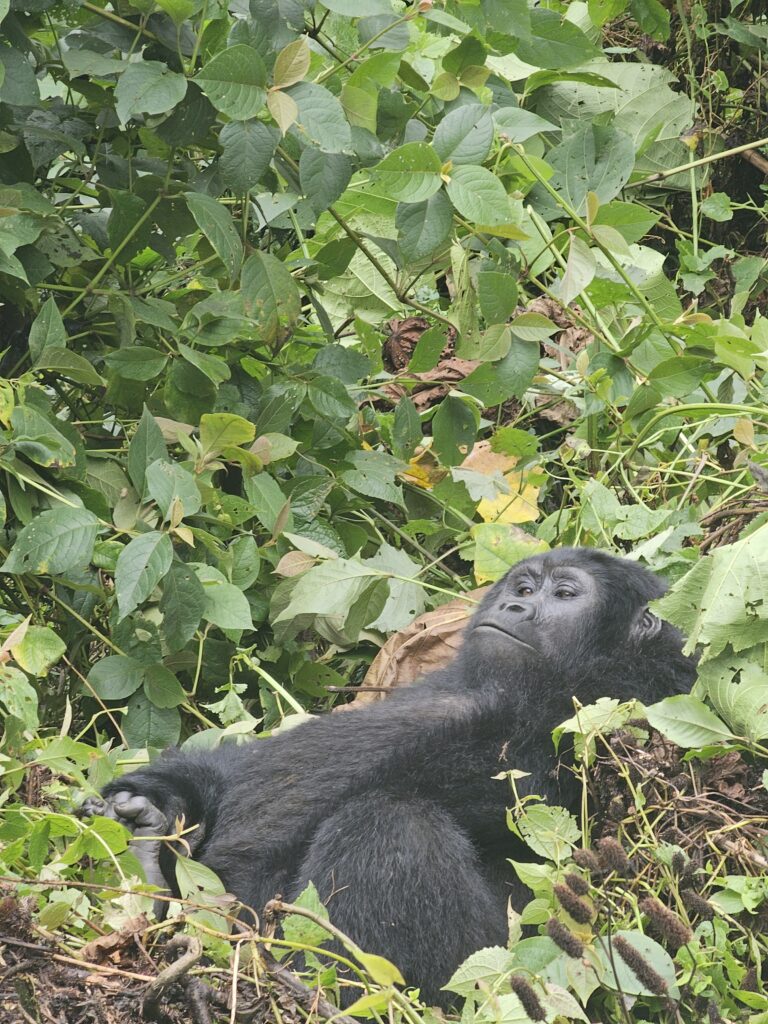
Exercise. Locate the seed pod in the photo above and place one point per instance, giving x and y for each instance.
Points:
(577, 908)
(639, 966)
(526, 993)
(564, 938)
(666, 923)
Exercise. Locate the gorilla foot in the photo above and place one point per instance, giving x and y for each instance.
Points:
(145, 821)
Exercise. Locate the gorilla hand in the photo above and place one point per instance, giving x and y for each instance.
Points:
(144, 821)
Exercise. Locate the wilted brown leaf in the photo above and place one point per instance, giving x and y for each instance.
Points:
(430, 642)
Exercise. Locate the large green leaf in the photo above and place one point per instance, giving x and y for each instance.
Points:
(215, 222)
(271, 296)
(410, 174)
(148, 87)
(55, 541)
(142, 564)
(721, 601)
(247, 149)
(234, 82)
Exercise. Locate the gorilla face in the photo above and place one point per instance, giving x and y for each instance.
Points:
(563, 612)
(540, 609)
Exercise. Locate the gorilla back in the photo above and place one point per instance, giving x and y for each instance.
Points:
(392, 811)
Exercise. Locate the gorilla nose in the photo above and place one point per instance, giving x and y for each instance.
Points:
(519, 610)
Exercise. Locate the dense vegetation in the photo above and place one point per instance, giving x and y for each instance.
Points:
(315, 316)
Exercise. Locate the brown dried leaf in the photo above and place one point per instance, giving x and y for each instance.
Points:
(294, 563)
(104, 947)
(429, 643)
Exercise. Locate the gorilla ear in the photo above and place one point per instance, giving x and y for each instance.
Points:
(646, 625)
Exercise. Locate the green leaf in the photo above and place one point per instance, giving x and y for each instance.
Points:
(652, 17)
(510, 377)
(116, 677)
(182, 605)
(162, 687)
(214, 367)
(498, 547)
(497, 295)
(147, 446)
(603, 11)
(225, 605)
(428, 350)
(406, 429)
(330, 398)
(148, 87)
(139, 362)
(688, 722)
(56, 541)
(721, 600)
(554, 42)
(380, 969)
(620, 977)
(37, 438)
(591, 159)
(717, 206)
(679, 375)
(519, 125)
(323, 176)
(68, 364)
(247, 151)
(215, 222)
(173, 488)
(479, 196)
(424, 227)
(373, 475)
(18, 697)
(464, 135)
(631, 221)
(410, 173)
(301, 929)
(234, 82)
(359, 8)
(145, 725)
(271, 296)
(454, 428)
(141, 566)
(39, 650)
(47, 330)
(321, 121)
(550, 832)
(265, 495)
(222, 430)
(486, 965)
(579, 271)
(331, 590)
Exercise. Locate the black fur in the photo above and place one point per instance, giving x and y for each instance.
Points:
(392, 810)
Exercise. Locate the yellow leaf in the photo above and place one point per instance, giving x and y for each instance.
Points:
(519, 506)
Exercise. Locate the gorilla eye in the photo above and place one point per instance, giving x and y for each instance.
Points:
(564, 593)
(523, 590)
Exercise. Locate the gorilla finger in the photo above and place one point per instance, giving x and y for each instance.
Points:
(141, 813)
(93, 805)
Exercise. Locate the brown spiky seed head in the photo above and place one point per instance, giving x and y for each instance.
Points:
(612, 857)
(666, 923)
(639, 966)
(586, 859)
(579, 910)
(564, 938)
(526, 993)
(576, 883)
(697, 904)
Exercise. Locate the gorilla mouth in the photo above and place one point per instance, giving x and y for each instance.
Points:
(506, 633)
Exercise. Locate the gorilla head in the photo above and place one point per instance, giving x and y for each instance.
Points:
(573, 616)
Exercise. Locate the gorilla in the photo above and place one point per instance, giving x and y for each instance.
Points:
(393, 811)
